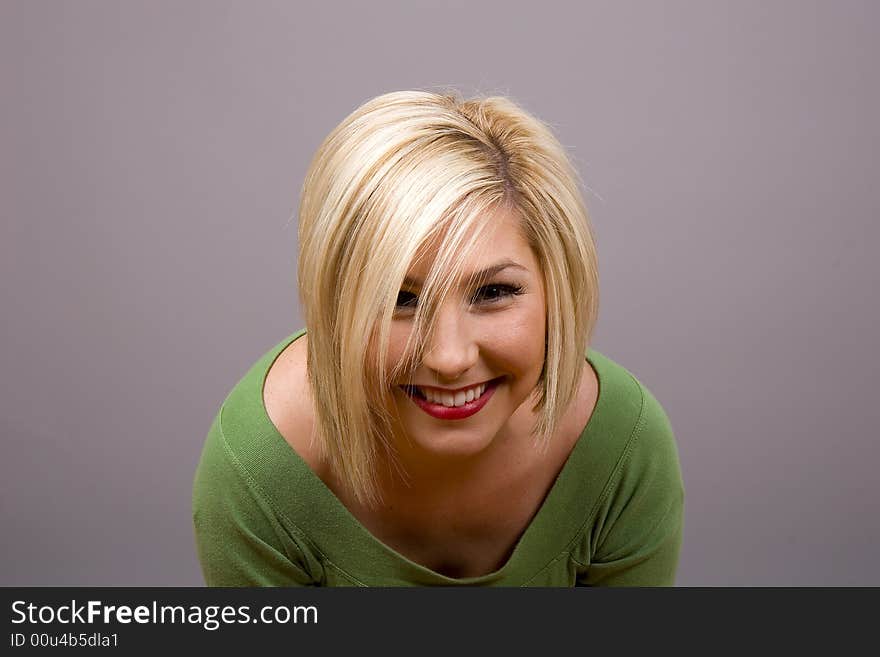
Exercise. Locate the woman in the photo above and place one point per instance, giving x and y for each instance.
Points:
(443, 420)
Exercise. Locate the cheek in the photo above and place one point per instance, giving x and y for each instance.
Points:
(518, 344)
(530, 352)
(397, 342)
(533, 333)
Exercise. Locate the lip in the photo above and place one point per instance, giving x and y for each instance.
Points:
(455, 390)
(442, 412)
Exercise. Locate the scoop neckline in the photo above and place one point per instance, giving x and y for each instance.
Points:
(391, 555)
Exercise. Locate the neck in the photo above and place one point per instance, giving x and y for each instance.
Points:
(420, 477)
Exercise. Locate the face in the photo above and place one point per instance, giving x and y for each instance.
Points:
(485, 355)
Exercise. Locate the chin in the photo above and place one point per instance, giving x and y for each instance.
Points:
(449, 444)
(446, 438)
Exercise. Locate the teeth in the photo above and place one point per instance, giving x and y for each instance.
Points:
(458, 399)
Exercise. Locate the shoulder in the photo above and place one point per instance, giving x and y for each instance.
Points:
(244, 430)
(646, 466)
(251, 498)
(631, 442)
(626, 403)
(285, 390)
(637, 502)
(654, 449)
(287, 400)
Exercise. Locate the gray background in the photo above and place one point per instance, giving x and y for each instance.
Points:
(151, 157)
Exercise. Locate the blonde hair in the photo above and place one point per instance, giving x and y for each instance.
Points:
(403, 168)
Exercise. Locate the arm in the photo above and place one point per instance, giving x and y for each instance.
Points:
(639, 526)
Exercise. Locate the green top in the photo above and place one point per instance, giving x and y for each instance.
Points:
(614, 516)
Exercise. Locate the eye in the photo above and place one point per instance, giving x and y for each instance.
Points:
(485, 295)
(406, 299)
(495, 293)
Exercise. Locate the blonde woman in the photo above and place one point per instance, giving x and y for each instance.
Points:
(442, 419)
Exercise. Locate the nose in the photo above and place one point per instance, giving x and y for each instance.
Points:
(451, 349)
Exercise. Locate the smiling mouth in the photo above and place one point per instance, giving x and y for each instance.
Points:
(415, 391)
(445, 407)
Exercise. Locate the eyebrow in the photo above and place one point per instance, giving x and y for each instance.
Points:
(484, 274)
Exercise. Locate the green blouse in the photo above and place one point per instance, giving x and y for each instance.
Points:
(614, 516)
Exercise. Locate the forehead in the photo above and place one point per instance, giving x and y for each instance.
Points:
(501, 238)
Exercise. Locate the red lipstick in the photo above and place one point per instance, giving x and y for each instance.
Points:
(442, 412)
